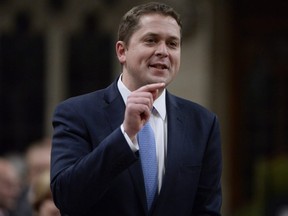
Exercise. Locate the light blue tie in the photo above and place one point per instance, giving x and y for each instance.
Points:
(147, 150)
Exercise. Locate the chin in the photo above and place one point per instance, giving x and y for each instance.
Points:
(157, 81)
(165, 80)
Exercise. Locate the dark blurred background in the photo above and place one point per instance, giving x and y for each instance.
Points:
(234, 61)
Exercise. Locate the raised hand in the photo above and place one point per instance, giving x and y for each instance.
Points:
(138, 107)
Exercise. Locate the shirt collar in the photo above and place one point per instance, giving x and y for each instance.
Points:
(159, 103)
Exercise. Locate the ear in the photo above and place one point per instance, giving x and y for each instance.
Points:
(121, 51)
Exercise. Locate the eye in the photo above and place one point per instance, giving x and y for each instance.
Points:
(173, 44)
(150, 41)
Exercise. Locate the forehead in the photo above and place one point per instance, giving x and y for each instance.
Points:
(158, 24)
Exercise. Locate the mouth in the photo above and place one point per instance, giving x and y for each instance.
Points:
(159, 66)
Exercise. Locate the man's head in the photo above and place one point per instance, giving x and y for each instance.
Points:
(130, 21)
(149, 45)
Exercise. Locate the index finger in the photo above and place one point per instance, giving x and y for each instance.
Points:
(151, 87)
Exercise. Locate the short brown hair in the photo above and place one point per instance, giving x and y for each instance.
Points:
(130, 21)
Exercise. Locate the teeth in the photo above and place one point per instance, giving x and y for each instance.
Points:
(160, 66)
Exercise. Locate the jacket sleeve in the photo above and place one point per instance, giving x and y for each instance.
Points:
(208, 199)
(81, 170)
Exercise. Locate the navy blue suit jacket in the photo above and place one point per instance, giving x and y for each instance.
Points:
(94, 172)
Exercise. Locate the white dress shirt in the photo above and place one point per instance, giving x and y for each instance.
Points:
(158, 121)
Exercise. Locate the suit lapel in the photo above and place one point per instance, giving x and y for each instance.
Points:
(175, 130)
(114, 106)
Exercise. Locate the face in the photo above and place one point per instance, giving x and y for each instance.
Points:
(153, 52)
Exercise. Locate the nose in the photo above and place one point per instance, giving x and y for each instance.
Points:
(161, 50)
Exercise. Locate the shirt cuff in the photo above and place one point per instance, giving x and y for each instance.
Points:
(133, 145)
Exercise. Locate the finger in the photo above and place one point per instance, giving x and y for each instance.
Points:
(155, 94)
(145, 114)
(141, 98)
(151, 87)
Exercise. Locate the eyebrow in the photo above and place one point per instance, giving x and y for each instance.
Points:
(157, 35)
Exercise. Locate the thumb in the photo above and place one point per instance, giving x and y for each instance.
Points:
(155, 94)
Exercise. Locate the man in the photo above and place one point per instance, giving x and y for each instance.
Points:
(97, 165)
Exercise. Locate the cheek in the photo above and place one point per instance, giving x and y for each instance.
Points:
(177, 61)
(174, 60)
(135, 58)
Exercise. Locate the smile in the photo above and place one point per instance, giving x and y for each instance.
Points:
(159, 66)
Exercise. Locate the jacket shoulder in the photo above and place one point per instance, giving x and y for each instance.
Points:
(95, 99)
